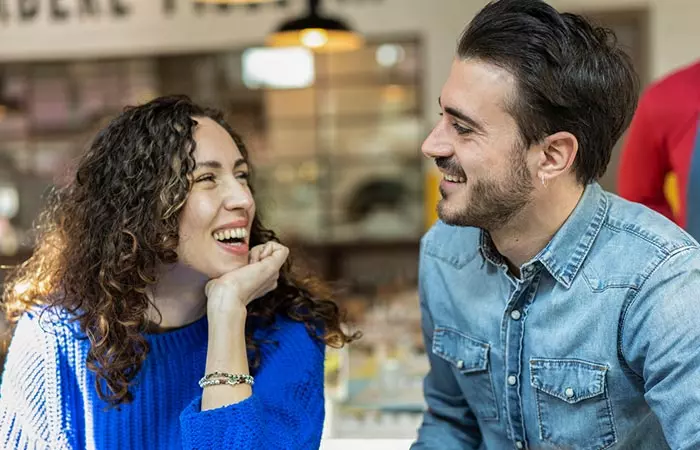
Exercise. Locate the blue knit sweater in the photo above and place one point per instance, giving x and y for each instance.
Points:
(48, 399)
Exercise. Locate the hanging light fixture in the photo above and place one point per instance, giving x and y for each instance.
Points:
(317, 32)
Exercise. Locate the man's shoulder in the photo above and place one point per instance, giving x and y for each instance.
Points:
(642, 228)
(633, 243)
(453, 244)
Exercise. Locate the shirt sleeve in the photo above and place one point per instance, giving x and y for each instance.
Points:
(448, 422)
(660, 337)
(30, 396)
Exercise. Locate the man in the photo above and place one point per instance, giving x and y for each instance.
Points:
(664, 139)
(555, 315)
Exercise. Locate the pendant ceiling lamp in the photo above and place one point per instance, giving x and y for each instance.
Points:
(317, 32)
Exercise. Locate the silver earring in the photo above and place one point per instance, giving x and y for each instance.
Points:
(544, 181)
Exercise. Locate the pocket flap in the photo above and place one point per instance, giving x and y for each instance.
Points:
(571, 380)
(465, 353)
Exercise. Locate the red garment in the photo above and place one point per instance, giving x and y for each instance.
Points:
(660, 140)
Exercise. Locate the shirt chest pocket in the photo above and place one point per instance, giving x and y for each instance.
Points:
(469, 359)
(573, 407)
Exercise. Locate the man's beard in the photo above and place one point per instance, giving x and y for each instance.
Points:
(492, 204)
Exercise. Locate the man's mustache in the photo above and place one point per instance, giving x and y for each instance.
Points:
(450, 166)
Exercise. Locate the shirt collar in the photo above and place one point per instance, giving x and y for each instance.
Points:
(566, 252)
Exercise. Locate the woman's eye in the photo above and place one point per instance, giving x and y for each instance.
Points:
(204, 178)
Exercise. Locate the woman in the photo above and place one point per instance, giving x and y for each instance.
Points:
(156, 311)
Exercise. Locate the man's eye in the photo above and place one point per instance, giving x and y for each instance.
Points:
(460, 129)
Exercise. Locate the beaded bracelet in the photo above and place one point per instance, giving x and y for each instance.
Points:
(217, 378)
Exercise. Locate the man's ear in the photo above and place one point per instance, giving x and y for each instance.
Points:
(558, 153)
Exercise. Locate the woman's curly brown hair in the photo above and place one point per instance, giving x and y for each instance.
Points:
(101, 239)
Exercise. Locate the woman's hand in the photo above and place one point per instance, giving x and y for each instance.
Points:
(231, 292)
(227, 298)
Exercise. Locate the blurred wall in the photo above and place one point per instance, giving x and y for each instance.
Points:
(164, 26)
(674, 34)
(147, 26)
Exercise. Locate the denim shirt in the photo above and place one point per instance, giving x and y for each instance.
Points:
(595, 346)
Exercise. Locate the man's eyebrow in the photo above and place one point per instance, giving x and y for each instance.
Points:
(454, 112)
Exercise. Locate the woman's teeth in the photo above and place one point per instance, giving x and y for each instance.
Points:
(233, 233)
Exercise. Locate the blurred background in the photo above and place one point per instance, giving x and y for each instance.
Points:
(334, 117)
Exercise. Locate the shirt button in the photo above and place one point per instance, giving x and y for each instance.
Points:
(518, 444)
(460, 364)
(569, 392)
(515, 315)
(512, 380)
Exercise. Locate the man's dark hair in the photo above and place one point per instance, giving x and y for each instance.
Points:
(570, 76)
